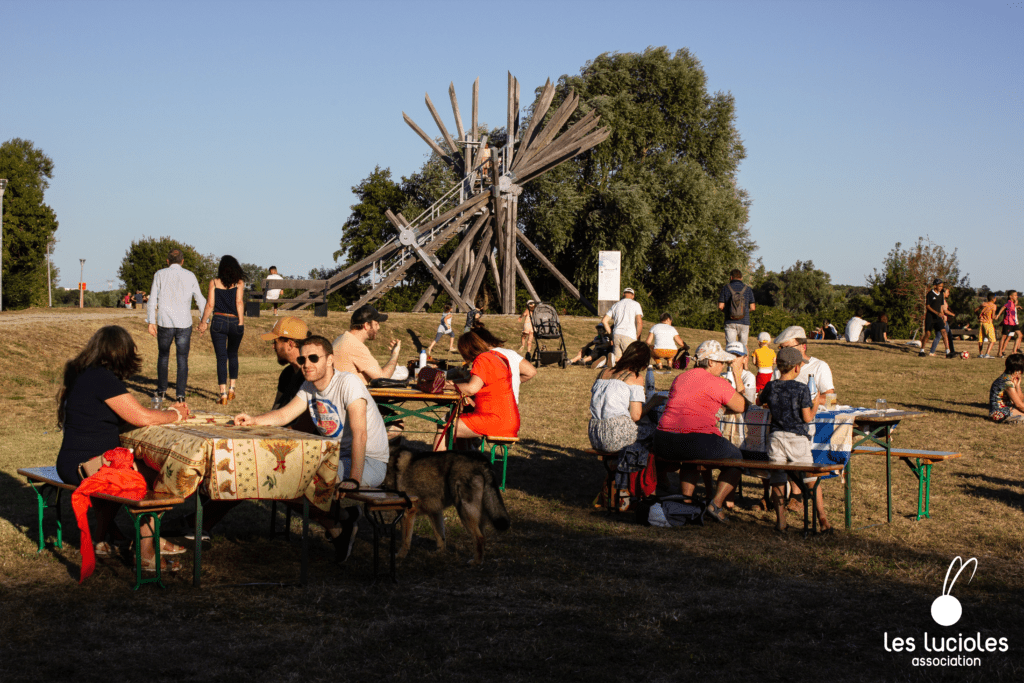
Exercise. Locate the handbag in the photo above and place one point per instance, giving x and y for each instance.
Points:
(430, 380)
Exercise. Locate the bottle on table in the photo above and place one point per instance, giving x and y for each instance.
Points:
(812, 387)
(649, 382)
(423, 359)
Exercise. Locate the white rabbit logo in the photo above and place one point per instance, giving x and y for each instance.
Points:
(946, 609)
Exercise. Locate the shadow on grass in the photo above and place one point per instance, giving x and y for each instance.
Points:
(147, 385)
(939, 410)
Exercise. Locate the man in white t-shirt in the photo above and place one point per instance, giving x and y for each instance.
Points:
(813, 367)
(855, 328)
(664, 340)
(341, 407)
(273, 294)
(624, 321)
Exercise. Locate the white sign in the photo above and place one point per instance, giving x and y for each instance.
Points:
(609, 275)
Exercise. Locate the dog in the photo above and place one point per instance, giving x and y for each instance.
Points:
(442, 479)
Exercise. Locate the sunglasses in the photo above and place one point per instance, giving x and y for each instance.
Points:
(312, 358)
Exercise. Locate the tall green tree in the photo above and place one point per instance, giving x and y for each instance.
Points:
(801, 288)
(29, 224)
(661, 189)
(149, 254)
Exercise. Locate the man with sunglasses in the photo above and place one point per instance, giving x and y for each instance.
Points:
(341, 407)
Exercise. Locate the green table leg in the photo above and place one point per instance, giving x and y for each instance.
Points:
(197, 565)
(504, 457)
(928, 491)
(304, 571)
(848, 495)
(42, 505)
(138, 518)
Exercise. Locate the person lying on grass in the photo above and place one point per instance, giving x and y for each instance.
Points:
(792, 409)
(1005, 399)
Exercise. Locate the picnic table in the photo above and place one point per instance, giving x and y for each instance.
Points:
(238, 463)
(435, 408)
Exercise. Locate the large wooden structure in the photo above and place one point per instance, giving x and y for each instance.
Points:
(481, 209)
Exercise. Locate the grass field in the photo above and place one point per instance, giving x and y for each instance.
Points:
(569, 593)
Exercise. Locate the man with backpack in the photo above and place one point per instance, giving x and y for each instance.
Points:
(737, 301)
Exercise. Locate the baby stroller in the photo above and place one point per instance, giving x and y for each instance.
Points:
(547, 328)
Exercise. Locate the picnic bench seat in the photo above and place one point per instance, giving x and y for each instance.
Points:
(377, 503)
(791, 469)
(45, 480)
(496, 443)
(608, 498)
(921, 468)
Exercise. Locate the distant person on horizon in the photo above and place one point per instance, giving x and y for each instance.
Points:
(444, 328)
(880, 329)
(624, 321)
(169, 314)
(934, 319)
(737, 301)
(1008, 314)
(855, 331)
(273, 294)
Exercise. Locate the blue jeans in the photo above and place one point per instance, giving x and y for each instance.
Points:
(226, 334)
(182, 338)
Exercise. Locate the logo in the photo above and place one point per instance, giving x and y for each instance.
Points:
(946, 609)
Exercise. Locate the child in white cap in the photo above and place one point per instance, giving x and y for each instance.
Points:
(764, 360)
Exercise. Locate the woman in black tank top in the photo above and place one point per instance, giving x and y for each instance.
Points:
(224, 315)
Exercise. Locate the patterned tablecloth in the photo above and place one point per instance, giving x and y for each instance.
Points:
(831, 433)
(237, 463)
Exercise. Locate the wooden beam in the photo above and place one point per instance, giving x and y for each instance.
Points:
(521, 272)
(440, 124)
(455, 110)
(544, 137)
(540, 108)
(546, 163)
(510, 137)
(564, 281)
(427, 139)
(477, 273)
(476, 107)
(509, 264)
(494, 273)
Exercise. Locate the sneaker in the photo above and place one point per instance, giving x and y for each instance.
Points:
(344, 541)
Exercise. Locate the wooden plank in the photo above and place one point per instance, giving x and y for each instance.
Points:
(427, 139)
(509, 264)
(295, 284)
(545, 135)
(569, 287)
(440, 124)
(476, 107)
(510, 118)
(494, 272)
(544, 165)
(477, 273)
(526, 281)
(563, 142)
(455, 110)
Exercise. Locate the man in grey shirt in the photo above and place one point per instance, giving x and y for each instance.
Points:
(169, 314)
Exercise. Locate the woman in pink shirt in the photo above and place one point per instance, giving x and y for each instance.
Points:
(688, 430)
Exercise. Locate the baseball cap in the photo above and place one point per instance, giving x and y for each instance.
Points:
(736, 348)
(628, 290)
(794, 332)
(790, 356)
(712, 350)
(365, 314)
(764, 338)
(288, 328)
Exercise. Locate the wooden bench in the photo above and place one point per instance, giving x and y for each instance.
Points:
(791, 469)
(921, 467)
(608, 498)
(45, 480)
(377, 503)
(496, 443)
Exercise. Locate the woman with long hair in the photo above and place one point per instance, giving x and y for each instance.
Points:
(225, 308)
(92, 404)
(495, 412)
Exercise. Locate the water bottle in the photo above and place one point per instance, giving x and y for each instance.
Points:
(812, 387)
(649, 382)
(423, 359)
(158, 400)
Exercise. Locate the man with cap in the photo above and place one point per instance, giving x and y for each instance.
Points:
(351, 354)
(737, 315)
(287, 337)
(795, 336)
(624, 321)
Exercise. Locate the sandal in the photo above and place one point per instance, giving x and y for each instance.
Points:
(223, 400)
(104, 549)
(716, 513)
(168, 548)
(167, 564)
(231, 394)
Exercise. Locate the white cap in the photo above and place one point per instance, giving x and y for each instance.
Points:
(764, 338)
(712, 350)
(736, 348)
(794, 332)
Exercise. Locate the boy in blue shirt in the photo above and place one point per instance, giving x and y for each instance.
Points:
(792, 409)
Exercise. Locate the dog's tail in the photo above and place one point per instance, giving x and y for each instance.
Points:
(494, 505)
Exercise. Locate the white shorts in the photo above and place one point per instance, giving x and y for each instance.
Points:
(787, 447)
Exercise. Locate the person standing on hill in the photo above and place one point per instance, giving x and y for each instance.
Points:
(169, 314)
(737, 301)
(624, 321)
(224, 314)
(1009, 317)
(273, 294)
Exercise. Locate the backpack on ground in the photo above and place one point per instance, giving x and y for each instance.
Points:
(738, 303)
(666, 511)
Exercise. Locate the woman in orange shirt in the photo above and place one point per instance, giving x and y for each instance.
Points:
(490, 384)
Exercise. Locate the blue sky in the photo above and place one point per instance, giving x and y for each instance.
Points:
(240, 127)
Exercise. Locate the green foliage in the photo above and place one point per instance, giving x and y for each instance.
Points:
(801, 288)
(28, 223)
(900, 288)
(661, 189)
(149, 254)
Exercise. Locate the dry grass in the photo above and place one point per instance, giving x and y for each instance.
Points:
(568, 593)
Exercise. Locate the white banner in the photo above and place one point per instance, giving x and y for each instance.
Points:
(609, 275)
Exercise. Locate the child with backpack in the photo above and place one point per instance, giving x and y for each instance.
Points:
(792, 409)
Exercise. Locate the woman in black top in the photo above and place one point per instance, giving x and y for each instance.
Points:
(93, 403)
(224, 306)
(880, 330)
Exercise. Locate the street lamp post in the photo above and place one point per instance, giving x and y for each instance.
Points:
(3, 186)
(81, 287)
(49, 278)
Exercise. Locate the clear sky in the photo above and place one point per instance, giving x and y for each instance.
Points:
(240, 127)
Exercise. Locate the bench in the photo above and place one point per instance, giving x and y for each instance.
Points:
(496, 443)
(791, 469)
(608, 498)
(376, 503)
(45, 480)
(922, 470)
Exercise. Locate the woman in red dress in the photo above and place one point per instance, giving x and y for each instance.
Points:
(490, 384)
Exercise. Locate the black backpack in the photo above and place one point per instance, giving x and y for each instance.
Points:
(738, 303)
(677, 512)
